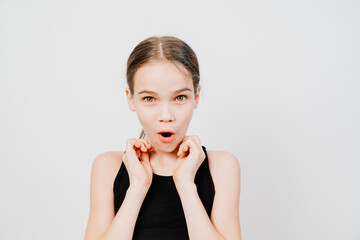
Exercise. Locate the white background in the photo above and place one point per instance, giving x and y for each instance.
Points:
(280, 90)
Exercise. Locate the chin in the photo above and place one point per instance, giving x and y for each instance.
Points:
(168, 148)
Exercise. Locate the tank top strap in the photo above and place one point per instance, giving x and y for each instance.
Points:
(121, 184)
(205, 185)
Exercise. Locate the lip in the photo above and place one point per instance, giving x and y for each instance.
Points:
(166, 131)
(166, 139)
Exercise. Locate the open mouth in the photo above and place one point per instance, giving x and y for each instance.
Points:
(166, 137)
(166, 134)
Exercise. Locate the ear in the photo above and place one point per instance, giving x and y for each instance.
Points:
(130, 100)
(197, 97)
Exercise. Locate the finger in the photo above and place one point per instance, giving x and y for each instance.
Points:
(180, 151)
(147, 144)
(137, 152)
(196, 140)
(132, 144)
(184, 148)
(145, 157)
(130, 147)
(143, 147)
(186, 138)
(138, 144)
(191, 145)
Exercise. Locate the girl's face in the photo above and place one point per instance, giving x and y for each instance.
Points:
(164, 100)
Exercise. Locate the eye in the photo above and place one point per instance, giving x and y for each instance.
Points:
(148, 99)
(181, 98)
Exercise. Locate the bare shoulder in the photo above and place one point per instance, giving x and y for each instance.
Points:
(103, 173)
(223, 166)
(225, 172)
(222, 160)
(107, 164)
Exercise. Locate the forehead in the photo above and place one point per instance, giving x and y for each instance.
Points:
(162, 76)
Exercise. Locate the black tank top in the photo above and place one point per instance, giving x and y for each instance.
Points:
(161, 215)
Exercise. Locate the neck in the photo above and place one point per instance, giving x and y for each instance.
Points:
(163, 162)
(163, 158)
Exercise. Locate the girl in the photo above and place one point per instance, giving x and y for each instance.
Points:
(165, 185)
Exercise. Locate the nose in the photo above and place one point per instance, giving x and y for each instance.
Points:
(166, 114)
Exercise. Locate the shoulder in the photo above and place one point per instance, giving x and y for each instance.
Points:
(106, 165)
(224, 167)
(108, 159)
(103, 172)
(225, 172)
(222, 161)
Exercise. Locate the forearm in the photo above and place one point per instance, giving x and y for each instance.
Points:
(197, 220)
(122, 227)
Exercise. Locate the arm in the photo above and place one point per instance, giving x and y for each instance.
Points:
(102, 223)
(123, 224)
(224, 223)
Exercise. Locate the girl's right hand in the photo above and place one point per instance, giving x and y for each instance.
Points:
(139, 171)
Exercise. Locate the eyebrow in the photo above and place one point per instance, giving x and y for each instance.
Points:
(154, 93)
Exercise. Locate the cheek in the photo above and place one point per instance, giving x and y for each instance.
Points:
(145, 116)
(184, 115)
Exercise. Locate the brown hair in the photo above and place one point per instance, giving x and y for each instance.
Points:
(165, 47)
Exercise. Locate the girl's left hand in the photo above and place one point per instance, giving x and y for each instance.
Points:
(191, 156)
